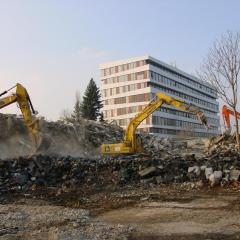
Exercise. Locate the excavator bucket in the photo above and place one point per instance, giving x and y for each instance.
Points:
(203, 120)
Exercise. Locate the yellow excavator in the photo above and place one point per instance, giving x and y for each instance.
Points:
(21, 97)
(130, 144)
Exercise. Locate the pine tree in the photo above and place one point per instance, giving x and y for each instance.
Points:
(76, 115)
(91, 104)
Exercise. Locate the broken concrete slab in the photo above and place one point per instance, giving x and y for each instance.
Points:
(208, 172)
(195, 169)
(234, 175)
(215, 178)
(147, 171)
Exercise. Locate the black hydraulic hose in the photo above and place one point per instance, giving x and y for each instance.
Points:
(31, 105)
(5, 92)
(1, 94)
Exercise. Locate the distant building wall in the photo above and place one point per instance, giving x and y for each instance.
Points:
(127, 86)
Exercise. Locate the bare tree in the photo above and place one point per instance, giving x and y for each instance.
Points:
(221, 69)
(76, 115)
(65, 115)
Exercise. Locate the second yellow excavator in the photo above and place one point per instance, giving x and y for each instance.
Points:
(130, 144)
(29, 115)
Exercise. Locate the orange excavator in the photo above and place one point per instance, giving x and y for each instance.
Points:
(216, 140)
(226, 112)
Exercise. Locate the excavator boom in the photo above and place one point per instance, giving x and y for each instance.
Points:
(130, 144)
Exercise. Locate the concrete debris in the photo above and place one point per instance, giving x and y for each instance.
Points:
(81, 139)
(234, 175)
(167, 147)
(195, 169)
(157, 145)
(73, 159)
(220, 143)
(147, 171)
(208, 172)
(215, 178)
(65, 173)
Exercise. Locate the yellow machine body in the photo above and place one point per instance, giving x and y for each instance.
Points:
(131, 144)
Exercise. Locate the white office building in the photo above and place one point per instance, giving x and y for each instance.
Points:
(128, 85)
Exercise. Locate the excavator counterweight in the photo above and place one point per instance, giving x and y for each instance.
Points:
(131, 144)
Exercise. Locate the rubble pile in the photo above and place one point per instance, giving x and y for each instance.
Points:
(53, 171)
(66, 173)
(81, 139)
(10, 125)
(155, 145)
(221, 143)
(221, 166)
(162, 147)
(69, 173)
(74, 160)
(76, 139)
(13, 136)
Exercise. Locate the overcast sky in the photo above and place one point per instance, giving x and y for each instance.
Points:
(55, 47)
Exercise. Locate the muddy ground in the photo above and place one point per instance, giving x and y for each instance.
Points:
(150, 212)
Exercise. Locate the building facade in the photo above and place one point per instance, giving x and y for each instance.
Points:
(127, 86)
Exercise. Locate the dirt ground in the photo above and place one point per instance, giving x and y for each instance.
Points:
(204, 216)
(157, 212)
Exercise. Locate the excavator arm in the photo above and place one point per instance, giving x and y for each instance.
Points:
(130, 144)
(32, 122)
(226, 112)
(4, 102)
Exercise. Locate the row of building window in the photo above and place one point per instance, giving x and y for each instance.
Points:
(123, 111)
(180, 76)
(186, 97)
(145, 97)
(211, 121)
(125, 121)
(127, 77)
(161, 79)
(135, 109)
(128, 66)
(180, 132)
(123, 67)
(156, 77)
(156, 120)
(127, 88)
(186, 126)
